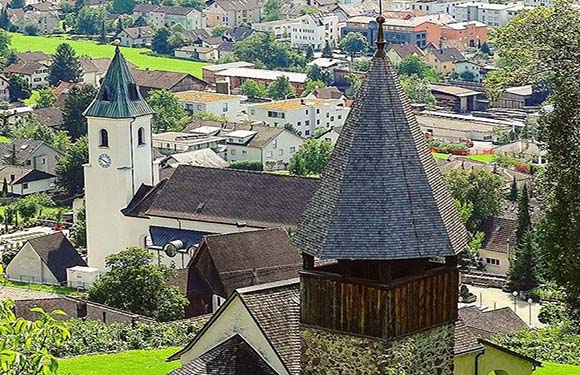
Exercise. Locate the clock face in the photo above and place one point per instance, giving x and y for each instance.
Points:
(104, 161)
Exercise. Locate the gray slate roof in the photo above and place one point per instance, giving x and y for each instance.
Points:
(119, 96)
(381, 195)
(485, 324)
(232, 357)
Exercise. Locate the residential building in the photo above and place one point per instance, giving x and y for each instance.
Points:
(498, 248)
(31, 154)
(282, 29)
(314, 30)
(235, 77)
(305, 115)
(196, 102)
(50, 116)
(490, 14)
(398, 52)
(44, 260)
(34, 73)
(470, 71)
(43, 22)
(205, 157)
(4, 89)
(455, 98)
(464, 35)
(448, 126)
(161, 15)
(24, 181)
(233, 13)
(426, 6)
(236, 260)
(238, 33)
(35, 56)
(198, 53)
(93, 70)
(176, 142)
(208, 71)
(325, 6)
(344, 11)
(148, 80)
(136, 36)
(443, 59)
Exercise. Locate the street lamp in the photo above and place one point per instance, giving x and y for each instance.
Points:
(530, 301)
(515, 294)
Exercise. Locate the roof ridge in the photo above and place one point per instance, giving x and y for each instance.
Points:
(268, 286)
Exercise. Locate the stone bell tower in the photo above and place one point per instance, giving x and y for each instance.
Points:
(389, 230)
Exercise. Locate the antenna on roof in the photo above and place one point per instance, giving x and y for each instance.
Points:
(381, 32)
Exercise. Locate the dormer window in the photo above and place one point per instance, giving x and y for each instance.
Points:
(106, 93)
(103, 138)
(133, 92)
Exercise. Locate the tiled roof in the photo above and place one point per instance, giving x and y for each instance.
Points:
(57, 253)
(232, 357)
(447, 54)
(263, 74)
(35, 56)
(485, 324)
(21, 175)
(139, 32)
(264, 134)
(158, 79)
(291, 104)
(25, 67)
(465, 340)
(238, 5)
(404, 50)
(277, 312)
(381, 195)
(25, 148)
(202, 158)
(228, 196)
(204, 96)
(500, 234)
(249, 258)
(119, 96)
(50, 116)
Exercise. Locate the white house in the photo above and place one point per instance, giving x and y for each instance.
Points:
(35, 73)
(229, 106)
(22, 181)
(429, 7)
(136, 36)
(44, 260)
(188, 18)
(281, 29)
(176, 142)
(304, 115)
(31, 154)
(314, 30)
(126, 200)
(473, 69)
(490, 14)
(198, 53)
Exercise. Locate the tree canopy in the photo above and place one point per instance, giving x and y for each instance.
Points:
(354, 43)
(69, 168)
(252, 89)
(65, 67)
(272, 10)
(76, 102)
(281, 89)
(169, 112)
(311, 157)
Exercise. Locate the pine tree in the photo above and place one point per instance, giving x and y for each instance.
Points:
(523, 271)
(524, 220)
(4, 188)
(309, 53)
(12, 158)
(17, 4)
(514, 190)
(327, 51)
(103, 35)
(65, 67)
(4, 20)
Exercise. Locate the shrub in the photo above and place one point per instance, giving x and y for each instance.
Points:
(552, 314)
(249, 165)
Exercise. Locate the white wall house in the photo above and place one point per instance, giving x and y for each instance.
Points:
(229, 106)
(175, 142)
(281, 29)
(22, 181)
(305, 115)
(490, 14)
(314, 30)
(188, 18)
(429, 7)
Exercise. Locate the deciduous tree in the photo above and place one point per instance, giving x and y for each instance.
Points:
(160, 42)
(252, 89)
(272, 10)
(281, 88)
(18, 88)
(123, 6)
(354, 43)
(311, 157)
(169, 112)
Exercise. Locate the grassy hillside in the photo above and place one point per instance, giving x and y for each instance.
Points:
(137, 56)
(557, 369)
(134, 362)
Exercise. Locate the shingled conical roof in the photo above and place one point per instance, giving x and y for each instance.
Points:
(382, 195)
(119, 96)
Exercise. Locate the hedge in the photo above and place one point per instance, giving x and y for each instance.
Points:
(250, 165)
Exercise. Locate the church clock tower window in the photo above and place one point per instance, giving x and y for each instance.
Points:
(104, 138)
(141, 136)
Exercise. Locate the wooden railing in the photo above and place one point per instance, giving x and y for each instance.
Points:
(385, 311)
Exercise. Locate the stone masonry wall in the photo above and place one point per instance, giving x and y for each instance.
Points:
(429, 352)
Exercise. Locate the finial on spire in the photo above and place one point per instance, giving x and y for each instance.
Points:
(117, 43)
(380, 32)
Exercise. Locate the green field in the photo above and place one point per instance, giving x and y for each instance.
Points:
(134, 362)
(481, 158)
(137, 56)
(43, 288)
(557, 369)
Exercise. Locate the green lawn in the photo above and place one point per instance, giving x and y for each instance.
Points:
(557, 369)
(135, 362)
(137, 56)
(4, 139)
(481, 158)
(43, 288)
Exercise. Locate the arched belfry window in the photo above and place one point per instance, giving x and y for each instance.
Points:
(141, 136)
(103, 138)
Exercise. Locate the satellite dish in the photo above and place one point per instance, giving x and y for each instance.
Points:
(171, 248)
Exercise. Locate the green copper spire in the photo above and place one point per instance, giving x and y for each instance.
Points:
(119, 96)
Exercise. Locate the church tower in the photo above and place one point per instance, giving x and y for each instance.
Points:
(386, 229)
(120, 159)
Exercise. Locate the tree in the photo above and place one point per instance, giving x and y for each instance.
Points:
(272, 10)
(252, 89)
(354, 43)
(43, 98)
(418, 90)
(134, 270)
(281, 88)
(467, 75)
(310, 86)
(219, 30)
(27, 209)
(4, 188)
(69, 168)
(123, 6)
(316, 73)
(31, 128)
(264, 50)
(309, 10)
(361, 64)
(4, 19)
(140, 22)
(327, 51)
(309, 56)
(24, 348)
(103, 34)
(169, 112)
(484, 48)
(514, 190)
(79, 230)
(354, 83)
(66, 66)
(311, 157)
(523, 273)
(479, 188)
(196, 4)
(12, 158)
(414, 65)
(18, 88)
(524, 219)
(160, 42)
(88, 20)
(77, 101)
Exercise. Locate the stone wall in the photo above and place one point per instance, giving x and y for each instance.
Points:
(429, 352)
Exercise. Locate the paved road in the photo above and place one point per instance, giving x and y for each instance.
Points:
(492, 298)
